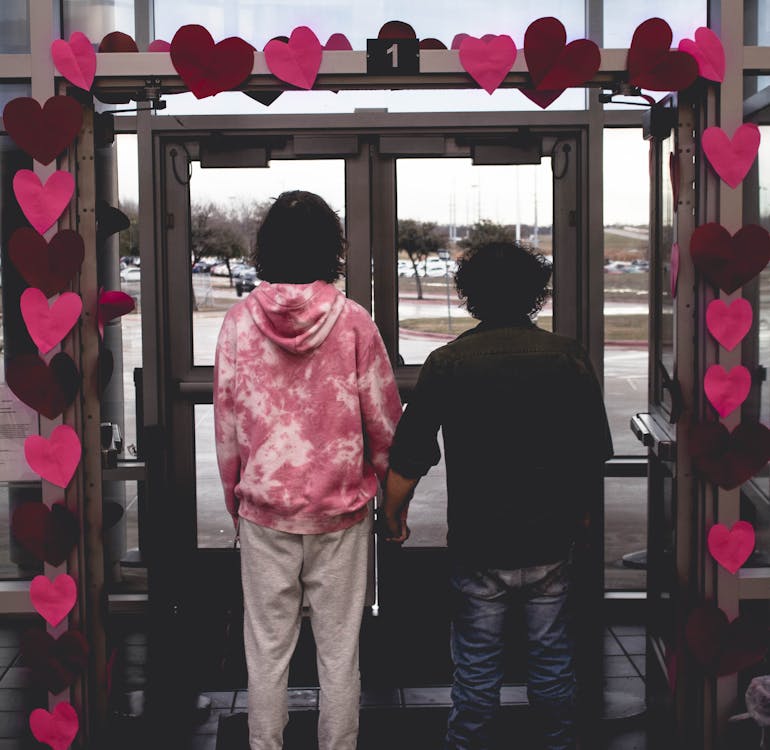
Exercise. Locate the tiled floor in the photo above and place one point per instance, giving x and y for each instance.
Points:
(624, 676)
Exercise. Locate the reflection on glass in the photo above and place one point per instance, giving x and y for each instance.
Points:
(620, 19)
(756, 25)
(626, 281)
(625, 532)
(10, 91)
(663, 253)
(97, 18)
(215, 527)
(14, 27)
(464, 205)
(226, 208)
(16, 562)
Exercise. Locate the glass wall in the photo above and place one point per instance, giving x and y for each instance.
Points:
(97, 18)
(14, 26)
(620, 19)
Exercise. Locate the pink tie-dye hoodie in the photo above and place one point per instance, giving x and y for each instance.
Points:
(305, 407)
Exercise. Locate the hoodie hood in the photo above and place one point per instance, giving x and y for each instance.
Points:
(296, 317)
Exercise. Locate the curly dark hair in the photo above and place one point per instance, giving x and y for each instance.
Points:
(501, 282)
(299, 241)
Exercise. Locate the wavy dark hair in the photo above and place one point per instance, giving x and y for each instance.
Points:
(300, 240)
(501, 282)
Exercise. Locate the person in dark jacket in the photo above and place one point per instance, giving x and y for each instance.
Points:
(525, 433)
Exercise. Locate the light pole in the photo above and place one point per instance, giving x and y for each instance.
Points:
(443, 253)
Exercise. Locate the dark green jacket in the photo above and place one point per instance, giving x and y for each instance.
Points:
(525, 434)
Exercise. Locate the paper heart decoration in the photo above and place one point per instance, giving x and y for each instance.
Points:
(675, 175)
(57, 729)
(708, 52)
(723, 647)
(731, 159)
(49, 534)
(53, 600)
(159, 45)
(111, 305)
(729, 262)
(43, 204)
(726, 390)
(653, 65)
(728, 324)
(49, 266)
(43, 132)
(104, 369)
(488, 61)
(117, 41)
(555, 65)
(296, 61)
(55, 662)
(109, 220)
(730, 459)
(75, 60)
(674, 268)
(48, 388)
(337, 42)
(56, 458)
(208, 68)
(111, 514)
(431, 43)
(731, 547)
(396, 30)
(49, 325)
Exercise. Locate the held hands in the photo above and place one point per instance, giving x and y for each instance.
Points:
(395, 528)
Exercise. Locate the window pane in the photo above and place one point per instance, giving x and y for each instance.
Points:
(464, 202)
(215, 529)
(97, 18)
(756, 24)
(625, 533)
(626, 281)
(14, 26)
(10, 91)
(620, 19)
(226, 206)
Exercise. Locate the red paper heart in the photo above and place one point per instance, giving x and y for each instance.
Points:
(49, 266)
(708, 52)
(109, 220)
(555, 65)
(48, 325)
(729, 262)
(111, 514)
(159, 45)
(43, 132)
(75, 60)
(729, 459)
(43, 204)
(104, 369)
(296, 61)
(653, 65)
(396, 30)
(674, 268)
(112, 304)
(726, 391)
(55, 662)
(57, 729)
(458, 40)
(117, 41)
(488, 61)
(731, 159)
(48, 389)
(53, 600)
(208, 68)
(723, 647)
(674, 173)
(728, 324)
(56, 458)
(49, 535)
(731, 547)
(337, 42)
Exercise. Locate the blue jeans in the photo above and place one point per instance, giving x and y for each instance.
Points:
(480, 602)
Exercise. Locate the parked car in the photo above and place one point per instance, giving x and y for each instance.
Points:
(131, 273)
(246, 282)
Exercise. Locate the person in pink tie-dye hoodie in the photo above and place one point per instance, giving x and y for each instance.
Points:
(305, 408)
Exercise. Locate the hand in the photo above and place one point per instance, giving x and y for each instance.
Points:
(396, 529)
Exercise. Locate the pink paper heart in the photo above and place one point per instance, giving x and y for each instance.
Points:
(674, 268)
(338, 42)
(708, 52)
(75, 60)
(728, 324)
(159, 45)
(731, 547)
(57, 729)
(49, 325)
(726, 390)
(731, 158)
(458, 40)
(43, 204)
(56, 458)
(53, 600)
(112, 304)
(296, 61)
(488, 60)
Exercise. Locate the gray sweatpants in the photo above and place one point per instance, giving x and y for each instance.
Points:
(331, 570)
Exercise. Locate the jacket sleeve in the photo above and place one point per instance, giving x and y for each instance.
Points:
(225, 417)
(380, 403)
(415, 447)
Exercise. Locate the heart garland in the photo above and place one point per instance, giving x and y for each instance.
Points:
(57, 729)
(53, 600)
(708, 52)
(297, 61)
(653, 65)
(75, 60)
(48, 388)
(729, 323)
(731, 158)
(55, 662)
(726, 391)
(56, 458)
(47, 326)
(488, 60)
(49, 266)
(731, 547)
(49, 534)
(554, 65)
(43, 204)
